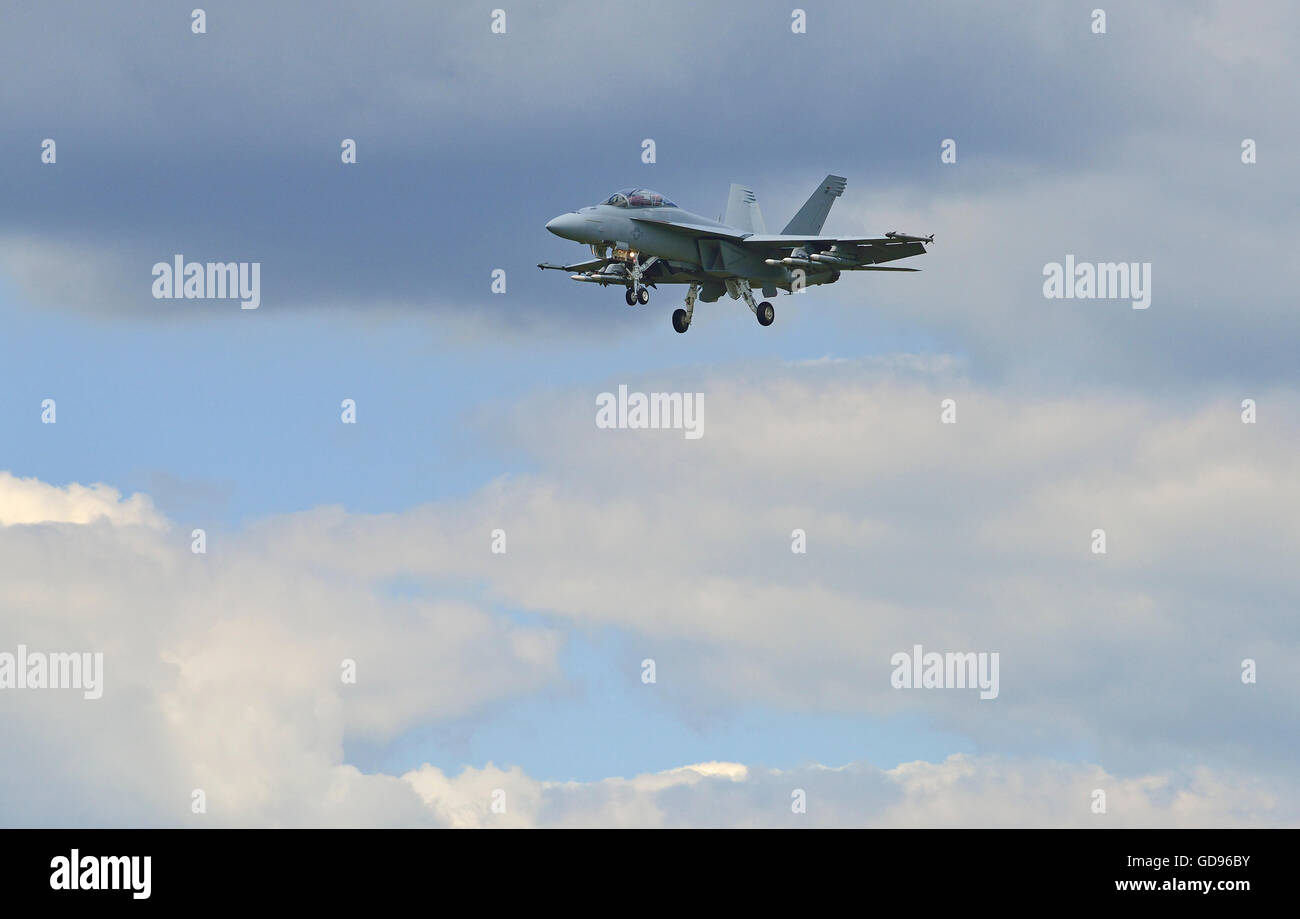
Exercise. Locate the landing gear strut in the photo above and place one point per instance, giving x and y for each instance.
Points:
(765, 312)
(636, 291)
(682, 318)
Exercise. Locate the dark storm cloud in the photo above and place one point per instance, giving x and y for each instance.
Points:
(225, 146)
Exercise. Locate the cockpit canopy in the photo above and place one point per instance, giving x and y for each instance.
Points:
(638, 197)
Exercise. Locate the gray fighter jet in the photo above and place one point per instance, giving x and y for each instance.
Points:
(640, 239)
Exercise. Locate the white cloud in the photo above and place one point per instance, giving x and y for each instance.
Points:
(222, 671)
(968, 537)
(961, 791)
(29, 501)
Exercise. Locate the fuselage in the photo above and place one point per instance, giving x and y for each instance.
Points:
(615, 226)
(690, 257)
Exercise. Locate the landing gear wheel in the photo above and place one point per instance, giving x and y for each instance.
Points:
(630, 297)
(766, 313)
(643, 296)
(680, 322)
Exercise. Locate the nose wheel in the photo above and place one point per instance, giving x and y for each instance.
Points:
(636, 291)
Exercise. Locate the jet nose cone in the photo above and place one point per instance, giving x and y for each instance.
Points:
(566, 225)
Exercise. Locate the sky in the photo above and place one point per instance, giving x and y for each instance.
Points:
(524, 672)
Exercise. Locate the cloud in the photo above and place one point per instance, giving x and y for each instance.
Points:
(962, 791)
(223, 670)
(29, 501)
(1123, 146)
(1120, 671)
(975, 536)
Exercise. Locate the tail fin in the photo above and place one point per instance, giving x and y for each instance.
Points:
(812, 215)
(743, 212)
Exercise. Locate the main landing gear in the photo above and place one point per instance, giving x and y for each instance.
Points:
(765, 312)
(682, 318)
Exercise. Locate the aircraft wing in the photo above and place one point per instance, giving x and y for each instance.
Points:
(848, 252)
(592, 264)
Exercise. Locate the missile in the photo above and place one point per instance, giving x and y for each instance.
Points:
(833, 260)
(904, 238)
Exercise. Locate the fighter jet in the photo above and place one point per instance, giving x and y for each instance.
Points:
(640, 240)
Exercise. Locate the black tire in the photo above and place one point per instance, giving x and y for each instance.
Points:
(643, 296)
(630, 297)
(766, 313)
(679, 321)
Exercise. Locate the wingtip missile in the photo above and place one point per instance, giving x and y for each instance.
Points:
(906, 238)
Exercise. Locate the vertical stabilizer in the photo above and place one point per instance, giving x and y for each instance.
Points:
(812, 216)
(743, 212)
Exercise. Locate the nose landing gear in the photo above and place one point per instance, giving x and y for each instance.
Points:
(636, 291)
